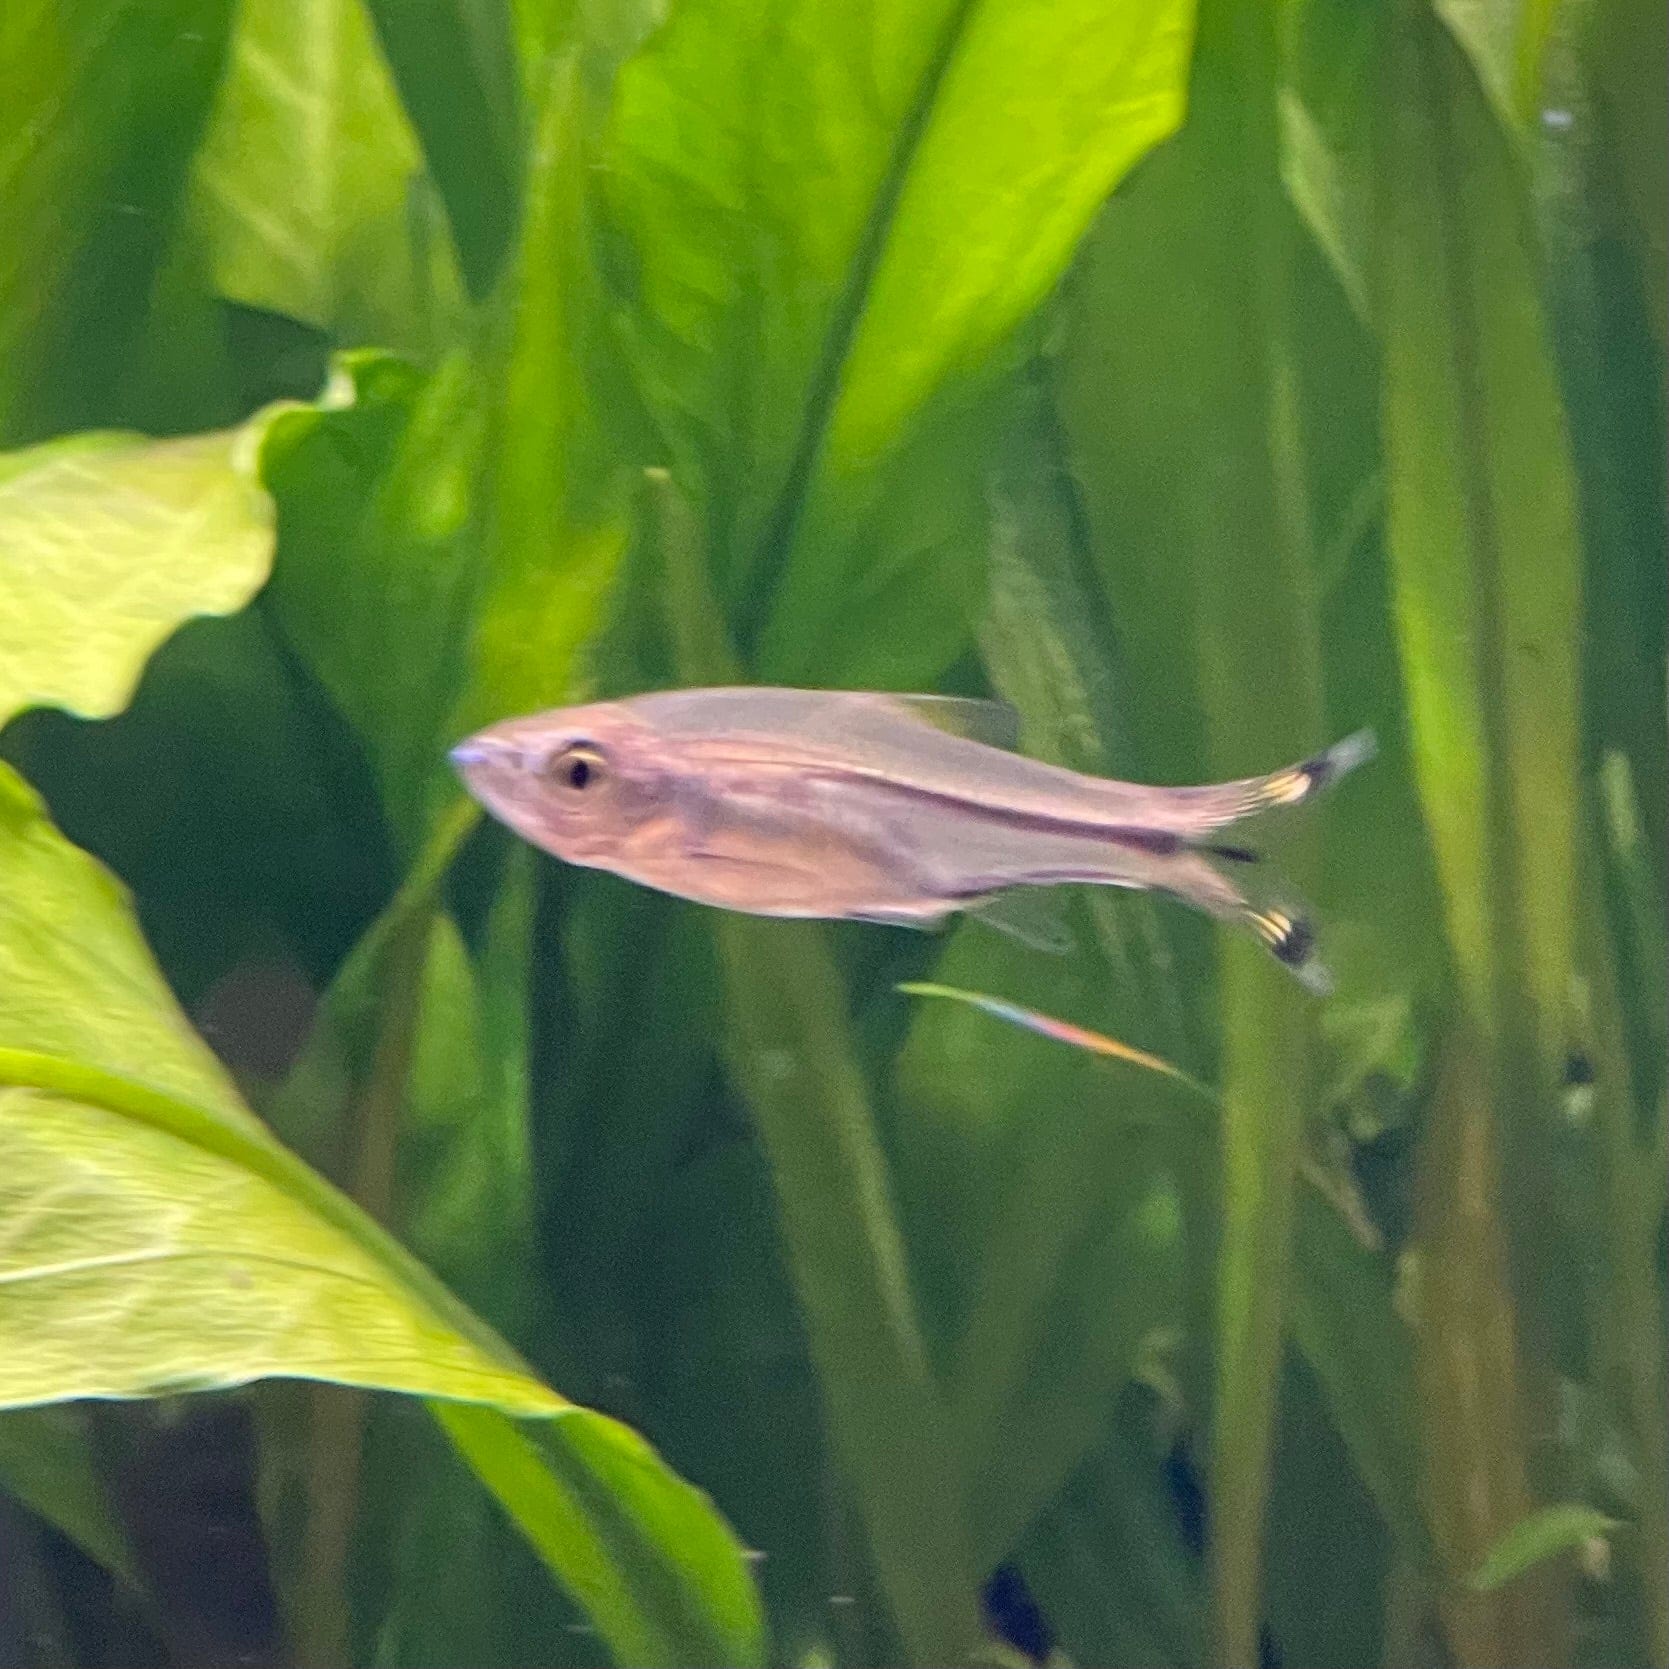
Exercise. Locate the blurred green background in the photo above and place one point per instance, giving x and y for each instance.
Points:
(1206, 382)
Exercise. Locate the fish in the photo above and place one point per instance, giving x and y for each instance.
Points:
(866, 806)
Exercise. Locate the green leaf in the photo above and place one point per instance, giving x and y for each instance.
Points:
(46, 1462)
(101, 105)
(1107, 1559)
(641, 1550)
(1360, 1350)
(1505, 40)
(376, 562)
(1485, 555)
(309, 193)
(1025, 1225)
(1476, 1442)
(455, 67)
(1486, 564)
(793, 1058)
(814, 258)
(1546, 1533)
(1331, 56)
(107, 544)
(552, 510)
(1624, 41)
(140, 1188)
(439, 1573)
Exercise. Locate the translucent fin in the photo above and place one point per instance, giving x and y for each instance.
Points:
(994, 723)
(1026, 914)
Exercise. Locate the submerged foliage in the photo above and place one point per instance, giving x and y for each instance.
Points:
(1207, 383)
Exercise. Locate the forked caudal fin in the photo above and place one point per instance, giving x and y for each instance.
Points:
(1286, 930)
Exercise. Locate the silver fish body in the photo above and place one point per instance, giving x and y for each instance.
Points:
(859, 805)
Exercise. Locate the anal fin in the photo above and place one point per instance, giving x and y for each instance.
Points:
(1028, 914)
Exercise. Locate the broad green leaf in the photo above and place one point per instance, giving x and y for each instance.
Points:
(140, 1187)
(309, 195)
(553, 524)
(225, 1259)
(101, 105)
(641, 1550)
(76, 980)
(376, 562)
(46, 1462)
(813, 259)
(1546, 1533)
(137, 1184)
(455, 67)
(107, 544)
(227, 754)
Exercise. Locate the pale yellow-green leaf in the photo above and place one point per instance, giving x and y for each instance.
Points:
(108, 542)
(76, 978)
(152, 1234)
(136, 1260)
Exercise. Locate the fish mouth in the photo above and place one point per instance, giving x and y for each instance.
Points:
(472, 751)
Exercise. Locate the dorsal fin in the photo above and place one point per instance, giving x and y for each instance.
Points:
(994, 723)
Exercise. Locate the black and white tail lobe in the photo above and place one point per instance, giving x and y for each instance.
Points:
(1296, 784)
(1285, 928)
(1194, 815)
(1288, 934)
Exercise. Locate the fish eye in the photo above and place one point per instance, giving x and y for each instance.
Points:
(578, 767)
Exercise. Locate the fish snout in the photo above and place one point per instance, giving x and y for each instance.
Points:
(487, 751)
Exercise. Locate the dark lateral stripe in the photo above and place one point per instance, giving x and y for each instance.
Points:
(1161, 842)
